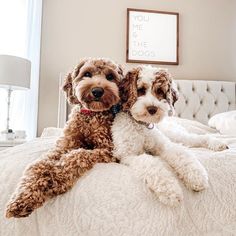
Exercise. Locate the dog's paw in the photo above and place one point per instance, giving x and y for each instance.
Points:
(168, 191)
(23, 205)
(172, 199)
(216, 145)
(18, 209)
(200, 184)
(188, 168)
(196, 179)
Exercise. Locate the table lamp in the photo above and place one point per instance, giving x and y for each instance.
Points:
(14, 75)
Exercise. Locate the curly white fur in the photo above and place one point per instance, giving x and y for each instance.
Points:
(135, 143)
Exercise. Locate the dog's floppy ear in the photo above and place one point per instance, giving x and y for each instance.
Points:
(77, 68)
(175, 94)
(68, 85)
(120, 72)
(128, 89)
(68, 89)
(174, 97)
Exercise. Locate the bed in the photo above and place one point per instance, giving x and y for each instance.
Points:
(110, 200)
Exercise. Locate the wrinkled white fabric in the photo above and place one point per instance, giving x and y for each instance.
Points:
(111, 200)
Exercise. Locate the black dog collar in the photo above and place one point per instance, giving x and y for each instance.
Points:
(116, 109)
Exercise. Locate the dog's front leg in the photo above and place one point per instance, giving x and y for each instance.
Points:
(34, 187)
(46, 179)
(36, 184)
(157, 177)
(196, 140)
(184, 162)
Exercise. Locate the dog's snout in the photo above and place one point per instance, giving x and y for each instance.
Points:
(152, 110)
(97, 92)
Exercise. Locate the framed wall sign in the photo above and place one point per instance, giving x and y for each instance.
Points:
(152, 37)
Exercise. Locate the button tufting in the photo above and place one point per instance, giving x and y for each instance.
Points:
(194, 115)
(207, 89)
(179, 115)
(208, 116)
(215, 102)
(193, 89)
(186, 102)
(229, 103)
(201, 102)
(222, 90)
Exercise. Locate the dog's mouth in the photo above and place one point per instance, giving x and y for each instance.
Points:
(99, 103)
(148, 115)
(96, 99)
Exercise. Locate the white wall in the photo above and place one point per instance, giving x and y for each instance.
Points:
(72, 29)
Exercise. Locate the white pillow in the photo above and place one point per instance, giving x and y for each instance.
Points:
(225, 122)
(51, 132)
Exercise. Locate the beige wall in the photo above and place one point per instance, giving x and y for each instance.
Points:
(72, 29)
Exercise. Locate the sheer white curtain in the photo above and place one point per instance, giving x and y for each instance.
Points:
(20, 33)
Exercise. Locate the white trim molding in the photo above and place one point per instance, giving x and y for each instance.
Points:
(62, 105)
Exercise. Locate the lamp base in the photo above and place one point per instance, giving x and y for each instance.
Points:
(9, 92)
(8, 134)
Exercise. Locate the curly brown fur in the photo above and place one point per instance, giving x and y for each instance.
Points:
(128, 88)
(163, 88)
(85, 142)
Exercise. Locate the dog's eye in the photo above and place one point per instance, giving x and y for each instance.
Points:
(87, 74)
(159, 91)
(141, 91)
(110, 77)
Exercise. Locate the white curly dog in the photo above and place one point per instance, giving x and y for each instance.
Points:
(148, 94)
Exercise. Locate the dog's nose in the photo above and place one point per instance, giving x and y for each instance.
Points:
(152, 110)
(97, 92)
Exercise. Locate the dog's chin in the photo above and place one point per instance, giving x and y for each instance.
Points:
(100, 105)
(147, 118)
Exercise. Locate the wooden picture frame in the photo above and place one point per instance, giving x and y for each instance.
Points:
(142, 46)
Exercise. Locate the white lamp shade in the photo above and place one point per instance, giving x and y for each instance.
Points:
(14, 72)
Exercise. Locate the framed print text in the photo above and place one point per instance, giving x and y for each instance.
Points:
(152, 37)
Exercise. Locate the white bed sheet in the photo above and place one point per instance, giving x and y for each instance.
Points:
(110, 200)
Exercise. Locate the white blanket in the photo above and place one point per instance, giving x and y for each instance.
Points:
(110, 200)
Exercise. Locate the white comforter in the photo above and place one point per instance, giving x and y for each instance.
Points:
(110, 200)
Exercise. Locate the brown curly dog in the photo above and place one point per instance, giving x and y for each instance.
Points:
(93, 85)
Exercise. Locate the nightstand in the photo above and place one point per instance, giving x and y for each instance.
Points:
(10, 143)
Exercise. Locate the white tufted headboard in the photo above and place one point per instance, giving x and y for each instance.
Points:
(200, 100)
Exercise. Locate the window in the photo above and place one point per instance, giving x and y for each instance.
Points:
(13, 22)
(20, 32)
